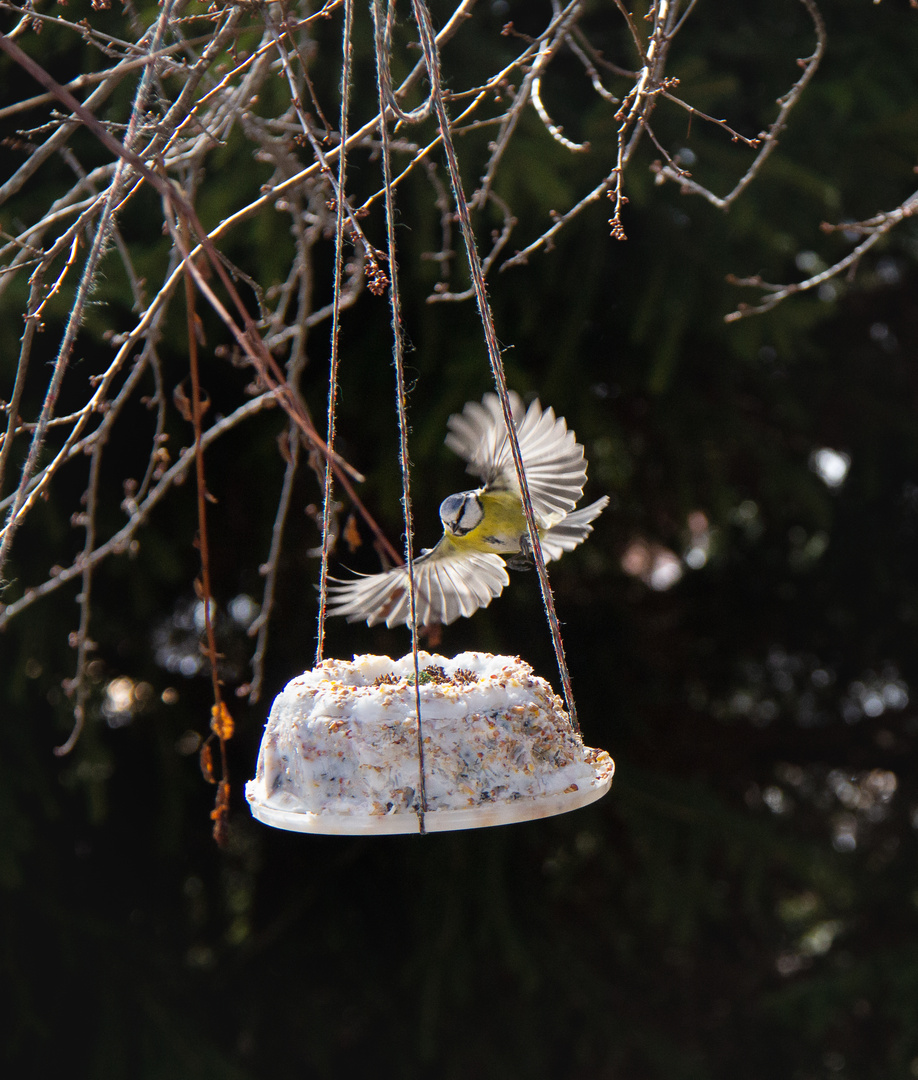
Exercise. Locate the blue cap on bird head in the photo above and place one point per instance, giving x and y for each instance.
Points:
(461, 513)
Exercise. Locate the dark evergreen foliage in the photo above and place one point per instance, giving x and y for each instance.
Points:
(744, 902)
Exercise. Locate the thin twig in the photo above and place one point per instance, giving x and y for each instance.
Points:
(87, 282)
(259, 628)
(876, 228)
(769, 138)
(121, 541)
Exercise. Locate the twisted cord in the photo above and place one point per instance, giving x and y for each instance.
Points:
(383, 40)
(398, 353)
(431, 58)
(341, 216)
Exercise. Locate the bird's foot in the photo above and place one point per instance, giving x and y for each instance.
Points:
(522, 559)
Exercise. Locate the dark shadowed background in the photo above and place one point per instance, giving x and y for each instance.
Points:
(741, 628)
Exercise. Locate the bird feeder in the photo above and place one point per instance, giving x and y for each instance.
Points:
(376, 745)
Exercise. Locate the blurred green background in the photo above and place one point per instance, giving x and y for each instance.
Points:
(741, 631)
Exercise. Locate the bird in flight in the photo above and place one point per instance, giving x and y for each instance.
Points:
(484, 530)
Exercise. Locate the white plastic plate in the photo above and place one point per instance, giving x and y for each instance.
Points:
(524, 808)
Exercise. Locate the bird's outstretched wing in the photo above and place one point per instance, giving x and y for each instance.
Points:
(552, 457)
(573, 530)
(448, 584)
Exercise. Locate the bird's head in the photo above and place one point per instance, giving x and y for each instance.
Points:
(461, 513)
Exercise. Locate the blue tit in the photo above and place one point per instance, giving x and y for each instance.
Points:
(484, 529)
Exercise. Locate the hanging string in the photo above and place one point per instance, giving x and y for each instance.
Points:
(383, 37)
(432, 61)
(398, 352)
(340, 217)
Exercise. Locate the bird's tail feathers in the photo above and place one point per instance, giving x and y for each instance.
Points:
(573, 530)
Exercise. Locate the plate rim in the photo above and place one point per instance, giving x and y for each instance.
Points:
(484, 815)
